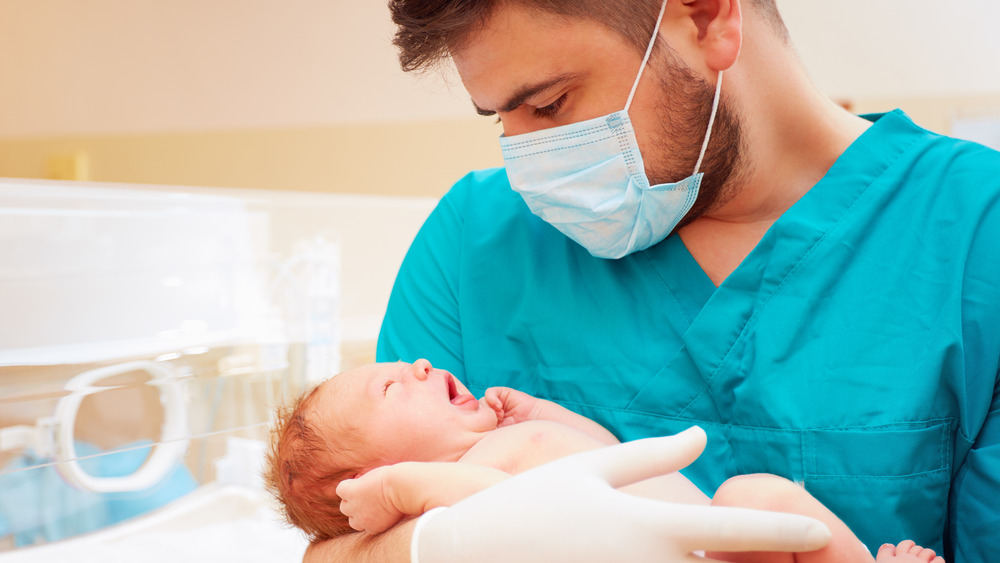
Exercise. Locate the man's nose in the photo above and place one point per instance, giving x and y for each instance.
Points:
(421, 369)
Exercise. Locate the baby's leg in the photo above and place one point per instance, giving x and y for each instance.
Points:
(769, 492)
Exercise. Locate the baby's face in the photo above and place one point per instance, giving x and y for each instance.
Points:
(404, 412)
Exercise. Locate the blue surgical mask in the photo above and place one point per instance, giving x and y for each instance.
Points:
(587, 179)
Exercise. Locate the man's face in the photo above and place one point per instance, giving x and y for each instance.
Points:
(535, 71)
(397, 412)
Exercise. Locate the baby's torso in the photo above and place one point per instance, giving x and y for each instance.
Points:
(520, 447)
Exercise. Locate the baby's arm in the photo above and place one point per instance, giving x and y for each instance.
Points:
(513, 407)
(380, 498)
(377, 500)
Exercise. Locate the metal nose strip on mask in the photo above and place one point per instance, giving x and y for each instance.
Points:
(548, 135)
(570, 138)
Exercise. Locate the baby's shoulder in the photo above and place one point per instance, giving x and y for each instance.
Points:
(520, 447)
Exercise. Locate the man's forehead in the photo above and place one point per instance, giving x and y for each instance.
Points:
(518, 49)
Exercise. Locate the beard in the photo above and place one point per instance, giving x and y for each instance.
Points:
(683, 112)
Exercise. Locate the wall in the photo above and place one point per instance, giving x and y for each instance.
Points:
(405, 158)
(302, 94)
(306, 94)
(935, 60)
(137, 66)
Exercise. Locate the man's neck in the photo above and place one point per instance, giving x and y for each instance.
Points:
(793, 135)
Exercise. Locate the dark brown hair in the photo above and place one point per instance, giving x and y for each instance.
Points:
(430, 30)
(303, 472)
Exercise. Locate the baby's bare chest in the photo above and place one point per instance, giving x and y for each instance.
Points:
(520, 447)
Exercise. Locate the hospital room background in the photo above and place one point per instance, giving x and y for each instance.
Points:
(203, 204)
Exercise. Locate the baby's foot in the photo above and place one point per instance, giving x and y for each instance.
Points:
(906, 552)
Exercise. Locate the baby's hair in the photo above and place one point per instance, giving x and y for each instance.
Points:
(302, 472)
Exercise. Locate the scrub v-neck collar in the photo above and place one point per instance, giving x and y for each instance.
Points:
(790, 238)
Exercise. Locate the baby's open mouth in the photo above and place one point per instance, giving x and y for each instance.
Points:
(457, 397)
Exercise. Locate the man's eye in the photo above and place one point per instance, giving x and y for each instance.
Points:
(385, 387)
(550, 110)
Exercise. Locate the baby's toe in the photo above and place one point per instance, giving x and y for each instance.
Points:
(887, 550)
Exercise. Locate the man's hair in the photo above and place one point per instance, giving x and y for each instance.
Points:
(303, 472)
(431, 30)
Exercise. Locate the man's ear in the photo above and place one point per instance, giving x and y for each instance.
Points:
(719, 25)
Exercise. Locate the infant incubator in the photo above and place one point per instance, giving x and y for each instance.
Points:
(148, 334)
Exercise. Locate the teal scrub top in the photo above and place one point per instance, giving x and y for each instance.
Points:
(855, 350)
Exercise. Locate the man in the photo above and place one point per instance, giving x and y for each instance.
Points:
(824, 300)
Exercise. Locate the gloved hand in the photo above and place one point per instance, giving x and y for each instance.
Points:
(569, 510)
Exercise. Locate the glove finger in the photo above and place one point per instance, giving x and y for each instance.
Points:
(631, 462)
(699, 559)
(721, 528)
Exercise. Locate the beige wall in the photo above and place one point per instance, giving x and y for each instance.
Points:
(887, 48)
(407, 158)
(301, 95)
(306, 95)
(142, 66)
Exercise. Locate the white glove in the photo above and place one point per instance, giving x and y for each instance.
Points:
(569, 510)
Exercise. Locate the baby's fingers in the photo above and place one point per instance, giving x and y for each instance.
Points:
(346, 488)
(494, 399)
(494, 396)
(348, 491)
(348, 508)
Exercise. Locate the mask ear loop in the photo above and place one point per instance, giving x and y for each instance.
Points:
(711, 121)
(645, 58)
(715, 101)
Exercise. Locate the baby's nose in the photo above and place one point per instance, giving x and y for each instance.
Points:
(421, 369)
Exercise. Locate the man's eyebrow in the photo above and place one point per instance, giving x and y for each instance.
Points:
(524, 92)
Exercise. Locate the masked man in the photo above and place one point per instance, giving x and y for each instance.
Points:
(819, 291)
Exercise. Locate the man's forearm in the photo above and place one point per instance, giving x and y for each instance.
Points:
(392, 546)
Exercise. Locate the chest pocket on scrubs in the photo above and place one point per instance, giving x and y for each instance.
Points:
(900, 472)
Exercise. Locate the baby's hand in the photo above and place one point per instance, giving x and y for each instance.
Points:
(512, 406)
(367, 502)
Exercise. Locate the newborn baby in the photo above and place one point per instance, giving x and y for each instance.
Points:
(382, 442)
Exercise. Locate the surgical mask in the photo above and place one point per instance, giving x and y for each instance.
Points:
(587, 179)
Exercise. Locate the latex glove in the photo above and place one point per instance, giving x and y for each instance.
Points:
(569, 510)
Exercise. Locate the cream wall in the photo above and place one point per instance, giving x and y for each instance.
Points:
(404, 158)
(935, 60)
(305, 94)
(97, 67)
(886, 48)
